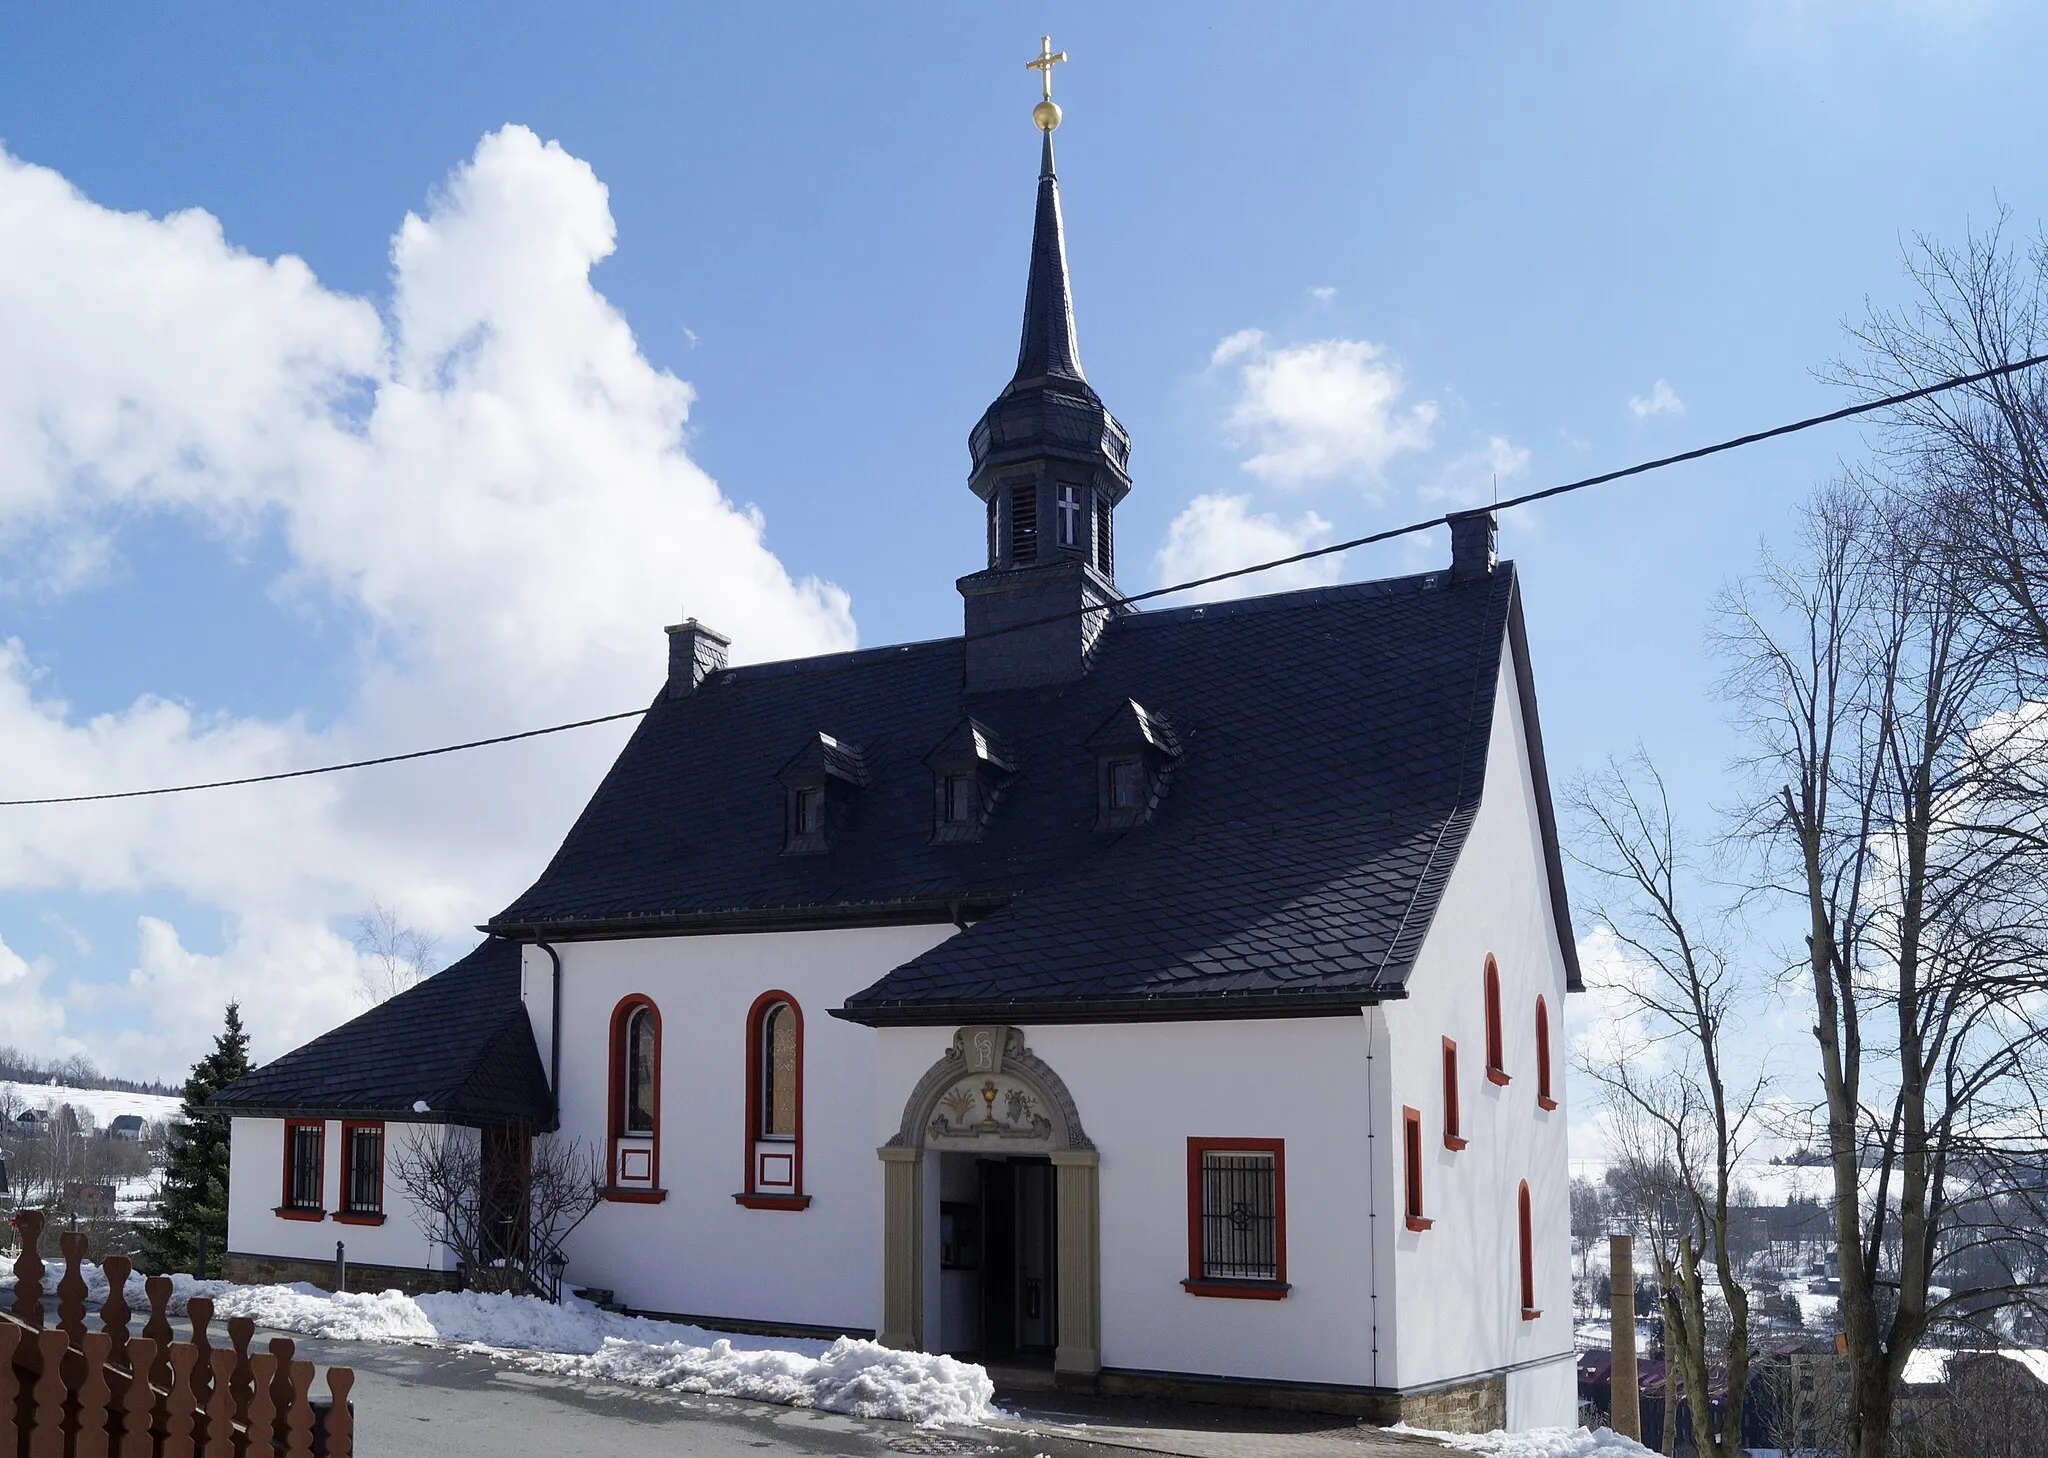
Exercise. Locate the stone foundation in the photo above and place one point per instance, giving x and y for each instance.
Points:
(265, 1270)
(1475, 1406)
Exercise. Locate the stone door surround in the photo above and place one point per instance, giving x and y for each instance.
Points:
(991, 1095)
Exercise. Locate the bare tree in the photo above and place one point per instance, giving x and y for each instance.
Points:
(1864, 673)
(393, 956)
(501, 1202)
(1679, 1118)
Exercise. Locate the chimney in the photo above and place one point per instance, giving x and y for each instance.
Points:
(1472, 553)
(695, 652)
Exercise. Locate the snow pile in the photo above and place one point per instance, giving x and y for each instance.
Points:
(577, 1339)
(862, 1378)
(1537, 1442)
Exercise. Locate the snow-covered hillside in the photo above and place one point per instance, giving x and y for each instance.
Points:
(105, 1105)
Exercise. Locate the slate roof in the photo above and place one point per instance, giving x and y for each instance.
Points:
(1332, 748)
(460, 1041)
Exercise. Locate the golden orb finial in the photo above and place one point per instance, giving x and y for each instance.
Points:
(1046, 115)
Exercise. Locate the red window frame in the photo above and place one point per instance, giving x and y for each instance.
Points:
(318, 1209)
(1496, 1063)
(1453, 1139)
(1411, 1169)
(615, 1105)
(750, 1194)
(351, 1213)
(1544, 1100)
(1528, 1244)
(1199, 1282)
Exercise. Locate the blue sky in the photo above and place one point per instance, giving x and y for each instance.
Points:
(1336, 267)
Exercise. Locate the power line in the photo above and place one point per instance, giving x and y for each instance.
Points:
(1847, 412)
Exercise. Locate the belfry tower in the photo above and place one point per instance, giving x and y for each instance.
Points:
(1050, 464)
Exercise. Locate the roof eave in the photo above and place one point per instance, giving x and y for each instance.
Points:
(910, 911)
(1131, 1008)
(1539, 778)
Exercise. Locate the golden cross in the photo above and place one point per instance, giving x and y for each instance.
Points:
(1047, 59)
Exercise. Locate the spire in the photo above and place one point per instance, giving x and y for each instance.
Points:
(1050, 465)
(1048, 346)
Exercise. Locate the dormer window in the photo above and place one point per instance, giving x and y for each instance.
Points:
(1134, 748)
(969, 769)
(819, 788)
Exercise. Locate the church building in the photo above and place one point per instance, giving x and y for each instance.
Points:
(1164, 1002)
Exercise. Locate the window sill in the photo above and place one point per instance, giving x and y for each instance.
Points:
(772, 1202)
(1497, 1076)
(1529, 1313)
(1547, 1104)
(1418, 1222)
(1454, 1143)
(1238, 1290)
(623, 1195)
(358, 1217)
(288, 1212)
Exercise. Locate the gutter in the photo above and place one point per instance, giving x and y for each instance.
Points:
(1169, 1008)
(919, 911)
(554, 1031)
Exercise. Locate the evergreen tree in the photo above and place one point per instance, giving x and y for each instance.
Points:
(194, 1204)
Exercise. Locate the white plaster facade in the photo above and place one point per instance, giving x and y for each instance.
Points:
(1372, 1303)
(256, 1156)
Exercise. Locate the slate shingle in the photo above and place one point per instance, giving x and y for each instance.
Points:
(460, 1041)
(1332, 751)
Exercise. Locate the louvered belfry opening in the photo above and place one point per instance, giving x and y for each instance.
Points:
(1023, 523)
(1105, 557)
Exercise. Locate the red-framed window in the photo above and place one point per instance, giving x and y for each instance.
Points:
(1453, 1139)
(362, 1173)
(1544, 1098)
(305, 1170)
(1411, 1169)
(633, 1145)
(775, 1105)
(1528, 1248)
(1496, 1062)
(1237, 1218)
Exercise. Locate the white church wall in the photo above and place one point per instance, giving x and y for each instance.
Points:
(697, 1252)
(1457, 1287)
(1142, 1091)
(256, 1189)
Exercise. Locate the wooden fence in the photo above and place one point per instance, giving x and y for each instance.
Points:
(67, 1392)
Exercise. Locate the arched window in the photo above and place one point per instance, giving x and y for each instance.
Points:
(1496, 1063)
(1453, 1135)
(775, 1105)
(634, 1101)
(1529, 1311)
(1544, 1098)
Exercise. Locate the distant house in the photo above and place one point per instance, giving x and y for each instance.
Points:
(126, 1127)
(32, 1123)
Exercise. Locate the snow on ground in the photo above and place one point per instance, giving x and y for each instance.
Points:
(1928, 1365)
(577, 1339)
(105, 1105)
(1536, 1442)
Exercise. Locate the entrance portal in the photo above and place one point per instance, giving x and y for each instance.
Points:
(991, 1153)
(998, 1272)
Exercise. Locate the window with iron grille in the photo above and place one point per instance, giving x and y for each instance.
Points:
(363, 1147)
(1023, 523)
(1237, 1218)
(305, 1154)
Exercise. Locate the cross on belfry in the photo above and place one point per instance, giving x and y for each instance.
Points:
(1044, 63)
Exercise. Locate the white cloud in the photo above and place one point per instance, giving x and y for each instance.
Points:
(1313, 411)
(1323, 293)
(1472, 478)
(1662, 400)
(31, 1019)
(1608, 1023)
(1216, 533)
(492, 476)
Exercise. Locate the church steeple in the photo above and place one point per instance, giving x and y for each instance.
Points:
(1050, 464)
